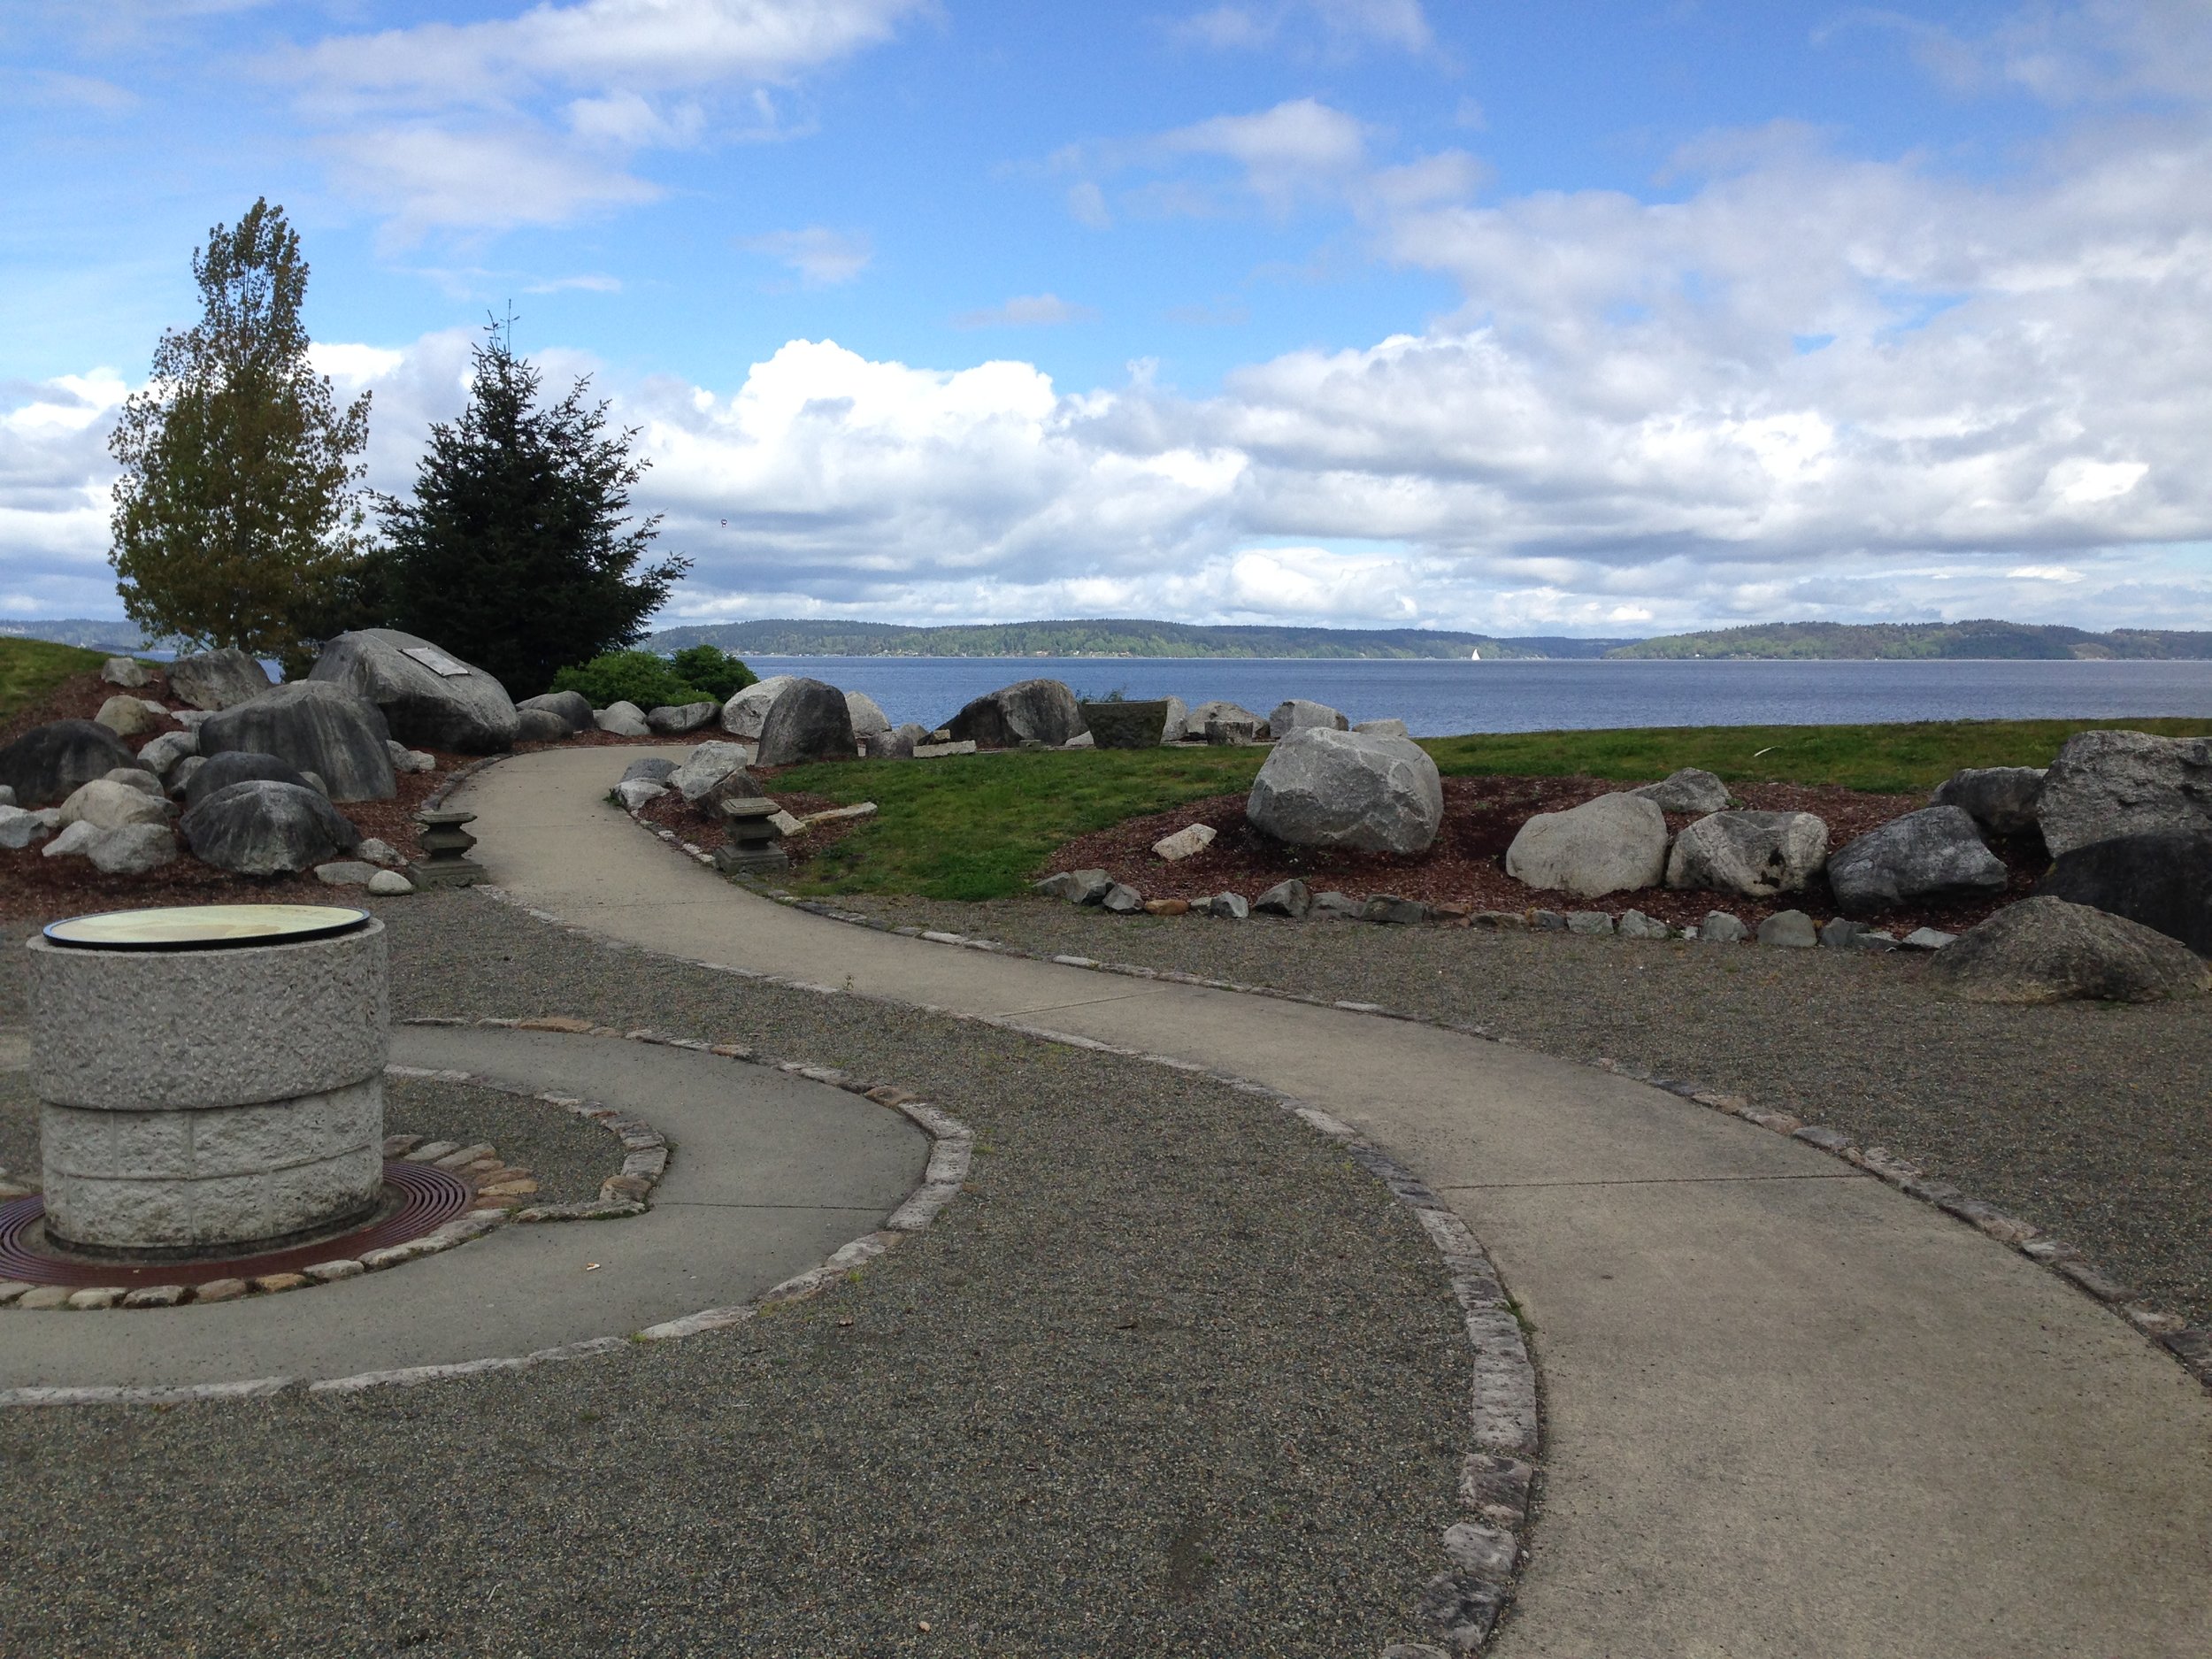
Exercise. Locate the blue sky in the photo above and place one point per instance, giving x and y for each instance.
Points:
(1605, 318)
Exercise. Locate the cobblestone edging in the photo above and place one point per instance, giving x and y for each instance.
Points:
(1483, 1551)
(2190, 1344)
(950, 1152)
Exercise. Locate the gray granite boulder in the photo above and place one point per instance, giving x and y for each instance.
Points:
(653, 769)
(540, 726)
(1231, 906)
(124, 849)
(674, 719)
(2162, 881)
(2002, 799)
(867, 717)
(707, 766)
(572, 708)
(134, 778)
(20, 828)
(1688, 790)
(127, 671)
(1720, 928)
(1793, 929)
(1030, 711)
(1077, 886)
(808, 721)
(161, 755)
(1614, 843)
(897, 743)
(1176, 726)
(1292, 898)
(406, 759)
(48, 762)
(2105, 785)
(1296, 714)
(1194, 724)
(1935, 853)
(622, 720)
(1752, 855)
(108, 805)
(128, 716)
(1122, 899)
(430, 698)
(745, 713)
(217, 679)
(240, 766)
(264, 828)
(1323, 788)
(2047, 950)
(317, 727)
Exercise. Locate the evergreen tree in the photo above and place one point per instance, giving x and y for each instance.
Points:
(516, 552)
(237, 520)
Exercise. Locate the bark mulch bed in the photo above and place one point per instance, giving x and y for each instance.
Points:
(1466, 866)
(673, 811)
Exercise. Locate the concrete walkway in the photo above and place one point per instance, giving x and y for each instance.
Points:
(770, 1174)
(1789, 1410)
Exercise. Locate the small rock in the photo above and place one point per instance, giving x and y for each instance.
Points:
(44, 1296)
(1793, 929)
(126, 717)
(160, 755)
(1549, 921)
(1393, 911)
(1720, 928)
(331, 1273)
(1167, 907)
(275, 1284)
(1840, 932)
(7, 795)
(1231, 905)
(1688, 790)
(1589, 921)
(1335, 903)
(389, 884)
(106, 804)
(135, 778)
(1081, 740)
(180, 780)
(1122, 899)
(1185, 842)
(1636, 924)
(706, 765)
(132, 850)
(20, 829)
(378, 852)
(650, 768)
(1290, 898)
(127, 671)
(346, 873)
(406, 759)
(622, 720)
(157, 1296)
(1077, 886)
(1926, 939)
(540, 726)
(220, 1290)
(1493, 920)
(2002, 799)
(91, 1301)
(635, 792)
(1875, 941)
(898, 743)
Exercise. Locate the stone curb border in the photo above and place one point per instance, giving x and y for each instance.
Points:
(952, 1147)
(1459, 1606)
(2190, 1344)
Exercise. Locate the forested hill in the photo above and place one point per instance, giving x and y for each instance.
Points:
(1895, 640)
(1108, 636)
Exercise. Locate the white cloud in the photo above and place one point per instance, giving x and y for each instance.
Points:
(1086, 205)
(1027, 310)
(822, 258)
(1343, 24)
(1298, 146)
(533, 118)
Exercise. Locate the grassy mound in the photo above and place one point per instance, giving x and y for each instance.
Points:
(979, 826)
(30, 668)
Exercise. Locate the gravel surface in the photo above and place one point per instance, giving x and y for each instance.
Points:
(2085, 1118)
(1085, 1414)
(568, 1157)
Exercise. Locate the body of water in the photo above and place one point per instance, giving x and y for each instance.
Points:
(1443, 698)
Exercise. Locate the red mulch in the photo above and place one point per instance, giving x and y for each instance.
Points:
(1466, 866)
(673, 811)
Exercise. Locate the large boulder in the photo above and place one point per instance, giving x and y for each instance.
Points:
(1752, 855)
(112, 805)
(126, 850)
(540, 726)
(430, 698)
(622, 720)
(1296, 714)
(2002, 799)
(1936, 853)
(128, 716)
(1322, 788)
(809, 721)
(704, 767)
(263, 828)
(1177, 725)
(127, 671)
(238, 765)
(2047, 950)
(1031, 711)
(315, 726)
(572, 708)
(2105, 785)
(1614, 844)
(674, 719)
(48, 762)
(745, 713)
(1688, 790)
(868, 717)
(2162, 881)
(217, 679)
(162, 755)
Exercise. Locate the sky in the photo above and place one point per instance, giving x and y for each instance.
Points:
(1615, 318)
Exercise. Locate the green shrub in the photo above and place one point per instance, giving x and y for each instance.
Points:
(713, 669)
(647, 680)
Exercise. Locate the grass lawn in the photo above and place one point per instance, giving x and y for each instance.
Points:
(978, 826)
(31, 668)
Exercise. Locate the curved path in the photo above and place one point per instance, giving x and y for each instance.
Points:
(1789, 1412)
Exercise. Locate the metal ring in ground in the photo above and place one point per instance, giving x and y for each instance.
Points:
(426, 1198)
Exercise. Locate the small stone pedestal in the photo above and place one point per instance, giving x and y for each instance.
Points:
(208, 1078)
(445, 845)
(754, 845)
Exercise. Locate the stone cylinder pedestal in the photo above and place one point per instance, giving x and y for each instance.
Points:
(203, 1099)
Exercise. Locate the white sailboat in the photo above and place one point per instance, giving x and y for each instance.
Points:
(1474, 657)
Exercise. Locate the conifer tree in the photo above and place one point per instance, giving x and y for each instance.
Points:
(517, 551)
(237, 520)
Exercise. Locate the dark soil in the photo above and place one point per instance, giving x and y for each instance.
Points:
(1466, 866)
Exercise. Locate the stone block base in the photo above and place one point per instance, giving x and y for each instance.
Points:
(215, 1176)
